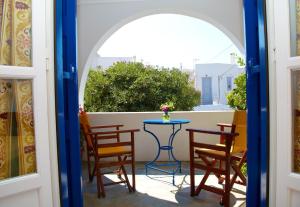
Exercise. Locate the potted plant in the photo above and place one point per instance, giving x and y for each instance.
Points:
(166, 108)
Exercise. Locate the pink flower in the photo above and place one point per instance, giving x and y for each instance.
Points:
(165, 108)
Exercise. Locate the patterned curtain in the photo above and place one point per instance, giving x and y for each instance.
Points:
(297, 125)
(297, 98)
(298, 27)
(17, 145)
(5, 128)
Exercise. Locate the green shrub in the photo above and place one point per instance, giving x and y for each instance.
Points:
(236, 98)
(136, 87)
(244, 169)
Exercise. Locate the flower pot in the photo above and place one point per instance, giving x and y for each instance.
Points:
(166, 117)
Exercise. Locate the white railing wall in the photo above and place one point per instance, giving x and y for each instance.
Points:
(145, 145)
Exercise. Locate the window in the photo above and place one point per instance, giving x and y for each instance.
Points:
(229, 83)
(295, 27)
(17, 143)
(17, 137)
(15, 33)
(296, 119)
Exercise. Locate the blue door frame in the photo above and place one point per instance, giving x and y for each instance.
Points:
(257, 102)
(67, 103)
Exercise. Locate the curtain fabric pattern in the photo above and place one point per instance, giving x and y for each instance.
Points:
(16, 40)
(297, 98)
(16, 104)
(16, 107)
(298, 27)
(5, 129)
(297, 124)
(25, 126)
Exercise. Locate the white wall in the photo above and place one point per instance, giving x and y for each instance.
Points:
(214, 70)
(106, 62)
(145, 145)
(99, 19)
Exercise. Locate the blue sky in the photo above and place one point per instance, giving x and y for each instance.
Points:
(170, 40)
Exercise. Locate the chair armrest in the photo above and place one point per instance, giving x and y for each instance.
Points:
(225, 125)
(225, 134)
(106, 126)
(115, 132)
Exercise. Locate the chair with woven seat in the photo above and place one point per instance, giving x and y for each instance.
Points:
(107, 150)
(229, 154)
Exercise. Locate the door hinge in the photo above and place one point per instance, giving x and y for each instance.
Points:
(253, 69)
(70, 75)
(47, 65)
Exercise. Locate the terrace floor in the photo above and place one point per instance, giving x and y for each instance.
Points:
(157, 190)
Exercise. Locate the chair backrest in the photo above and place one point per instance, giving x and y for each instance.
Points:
(240, 122)
(86, 129)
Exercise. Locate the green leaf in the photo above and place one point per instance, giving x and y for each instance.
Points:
(236, 98)
(136, 87)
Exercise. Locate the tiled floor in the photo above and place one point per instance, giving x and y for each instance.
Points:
(156, 190)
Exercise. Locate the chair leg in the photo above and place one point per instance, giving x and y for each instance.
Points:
(119, 171)
(238, 173)
(206, 175)
(133, 172)
(192, 163)
(226, 196)
(89, 168)
(94, 173)
(202, 183)
(220, 177)
(100, 185)
(192, 177)
(122, 168)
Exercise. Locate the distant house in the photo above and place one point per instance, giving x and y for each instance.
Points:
(215, 80)
(106, 62)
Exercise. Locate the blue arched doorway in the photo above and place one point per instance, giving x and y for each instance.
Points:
(67, 103)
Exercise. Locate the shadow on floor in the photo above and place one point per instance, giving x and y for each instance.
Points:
(155, 190)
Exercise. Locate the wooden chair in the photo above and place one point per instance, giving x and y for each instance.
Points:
(112, 148)
(230, 153)
(239, 148)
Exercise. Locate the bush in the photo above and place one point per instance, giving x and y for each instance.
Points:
(135, 87)
(236, 98)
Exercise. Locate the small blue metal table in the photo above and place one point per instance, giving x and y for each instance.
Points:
(172, 162)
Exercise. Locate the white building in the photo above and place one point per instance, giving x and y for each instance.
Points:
(215, 80)
(106, 62)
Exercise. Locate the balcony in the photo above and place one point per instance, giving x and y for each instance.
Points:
(156, 189)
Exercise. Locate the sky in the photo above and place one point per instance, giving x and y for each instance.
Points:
(170, 40)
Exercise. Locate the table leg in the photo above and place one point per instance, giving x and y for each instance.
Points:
(171, 156)
(158, 151)
(171, 139)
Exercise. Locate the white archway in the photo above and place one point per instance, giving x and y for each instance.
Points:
(102, 37)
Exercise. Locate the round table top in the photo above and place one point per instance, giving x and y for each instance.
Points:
(161, 122)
